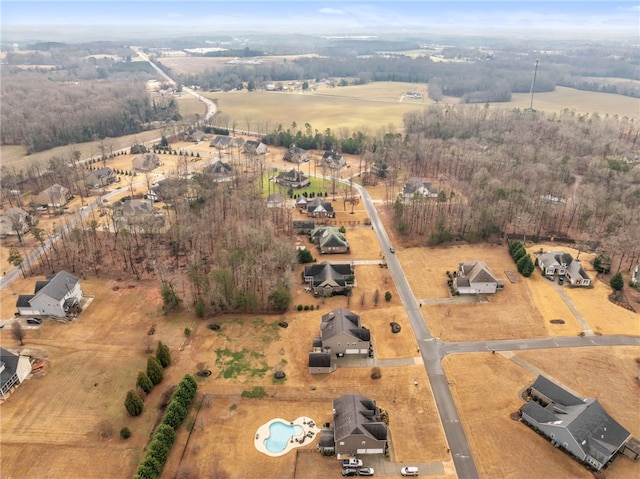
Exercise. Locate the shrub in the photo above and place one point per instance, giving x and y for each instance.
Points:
(134, 403)
(200, 308)
(387, 296)
(144, 383)
(163, 355)
(125, 433)
(154, 370)
(306, 307)
(299, 307)
(187, 331)
(305, 256)
(376, 373)
(616, 281)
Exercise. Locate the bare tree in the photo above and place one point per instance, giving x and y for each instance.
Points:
(18, 332)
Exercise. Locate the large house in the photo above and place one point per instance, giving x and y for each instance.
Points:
(255, 147)
(329, 240)
(635, 277)
(14, 222)
(578, 425)
(53, 297)
(223, 142)
(219, 170)
(316, 208)
(333, 160)
(13, 370)
(295, 154)
(169, 189)
(475, 277)
(358, 427)
(563, 264)
(100, 177)
(327, 278)
(146, 162)
(341, 335)
(416, 189)
(293, 178)
(55, 196)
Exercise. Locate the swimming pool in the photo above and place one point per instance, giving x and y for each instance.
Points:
(280, 434)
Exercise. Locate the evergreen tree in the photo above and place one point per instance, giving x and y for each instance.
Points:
(163, 355)
(144, 383)
(154, 370)
(134, 403)
(616, 282)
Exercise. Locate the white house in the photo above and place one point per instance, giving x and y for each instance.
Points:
(53, 297)
(563, 264)
(14, 222)
(13, 370)
(475, 277)
(416, 188)
(635, 277)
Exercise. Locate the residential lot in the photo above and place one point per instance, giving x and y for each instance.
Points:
(487, 387)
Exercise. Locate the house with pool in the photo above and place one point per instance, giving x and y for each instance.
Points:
(358, 428)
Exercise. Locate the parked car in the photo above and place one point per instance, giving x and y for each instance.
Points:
(560, 280)
(349, 472)
(392, 249)
(34, 321)
(352, 462)
(366, 471)
(409, 471)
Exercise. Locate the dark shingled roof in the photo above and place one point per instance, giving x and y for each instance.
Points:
(356, 414)
(342, 320)
(326, 271)
(319, 360)
(40, 285)
(555, 392)
(10, 362)
(23, 300)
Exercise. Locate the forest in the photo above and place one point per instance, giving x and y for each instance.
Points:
(66, 99)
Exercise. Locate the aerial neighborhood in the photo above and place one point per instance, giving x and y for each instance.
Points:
(333, 255)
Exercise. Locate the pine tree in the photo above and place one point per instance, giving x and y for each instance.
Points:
(163, 355)
(617, 282)
(134, 403)
(154, 370)
(143, 382)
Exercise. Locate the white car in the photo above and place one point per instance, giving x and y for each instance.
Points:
(366, 471)
(409, 471)
(352, 462)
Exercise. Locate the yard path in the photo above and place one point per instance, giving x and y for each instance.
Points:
(586, 329)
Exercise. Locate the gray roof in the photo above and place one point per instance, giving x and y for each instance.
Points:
(41, 284)
(137, 207)
(477, 272)
(356, 414)
(555, 392)
(318, 204)
(320, 360)
(60, 285)
(326, 271)
(218, 168)
(342, 320)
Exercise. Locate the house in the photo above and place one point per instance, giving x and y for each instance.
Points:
(53, 297)
(13, 370)
(563, 264)
(329, 240)
(168, 189)
(415, 189)
(333, 160)
(14, 222)
(342, 334)
(316, 208)
(136, 208)
(303, 226)
(100, 177)
(635, 277)
(327, 278)
(146, 162)
(219, 170)
(301, 202)
(293, 179)
(578, 425)
(223, 142)
(295, 154)
(275, 200)
(475, 277)
(55, 196)
(255, 147)
(358, 427)
(138, 213)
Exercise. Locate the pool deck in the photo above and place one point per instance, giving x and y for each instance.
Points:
(310, 432)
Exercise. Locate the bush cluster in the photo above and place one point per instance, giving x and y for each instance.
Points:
(158, 451)
(145, 381)
(522, 259)
(306, 307)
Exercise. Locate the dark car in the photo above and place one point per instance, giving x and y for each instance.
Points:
(560, 280)
(349, 472)
(34, 321)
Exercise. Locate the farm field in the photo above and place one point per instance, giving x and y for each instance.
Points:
(487, 387)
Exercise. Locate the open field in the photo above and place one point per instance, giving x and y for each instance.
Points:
(486, 389)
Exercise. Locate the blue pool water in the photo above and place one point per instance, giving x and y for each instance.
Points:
(280, 434)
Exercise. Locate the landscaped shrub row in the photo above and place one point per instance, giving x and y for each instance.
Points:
(307, 307)
(146, 380)
(158, 451)
(521, 258)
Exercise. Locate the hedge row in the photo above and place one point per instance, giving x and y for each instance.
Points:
(521, 258)
(158, 451)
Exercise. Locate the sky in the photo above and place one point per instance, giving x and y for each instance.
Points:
(332, 17)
